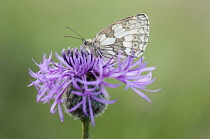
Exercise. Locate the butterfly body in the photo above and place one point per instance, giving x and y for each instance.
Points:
(128, 36)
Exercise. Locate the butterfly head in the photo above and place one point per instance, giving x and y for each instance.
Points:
(87, 45)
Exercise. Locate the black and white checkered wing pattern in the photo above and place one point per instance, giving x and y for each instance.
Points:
(128, 36)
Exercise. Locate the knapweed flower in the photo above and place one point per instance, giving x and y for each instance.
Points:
(77, 81)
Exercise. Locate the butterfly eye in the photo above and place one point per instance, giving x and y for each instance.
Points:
(85, 42)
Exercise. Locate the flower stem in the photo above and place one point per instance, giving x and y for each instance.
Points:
(85, 128)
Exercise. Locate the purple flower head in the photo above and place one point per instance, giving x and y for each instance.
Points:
(78, 81)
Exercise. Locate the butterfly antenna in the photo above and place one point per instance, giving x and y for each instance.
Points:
(74, 37)
(76, 33)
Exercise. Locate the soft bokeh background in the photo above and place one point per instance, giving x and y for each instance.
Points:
(179, 47)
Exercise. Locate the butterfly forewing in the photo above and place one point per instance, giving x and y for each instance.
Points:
(128, 36)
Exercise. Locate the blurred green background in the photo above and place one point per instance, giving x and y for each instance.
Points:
(179, 47)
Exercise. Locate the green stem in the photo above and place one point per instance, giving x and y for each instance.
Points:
(85, 128)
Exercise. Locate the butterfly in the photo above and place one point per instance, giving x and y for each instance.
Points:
(128, 36)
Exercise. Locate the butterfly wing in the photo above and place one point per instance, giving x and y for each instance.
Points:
(128, 36)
